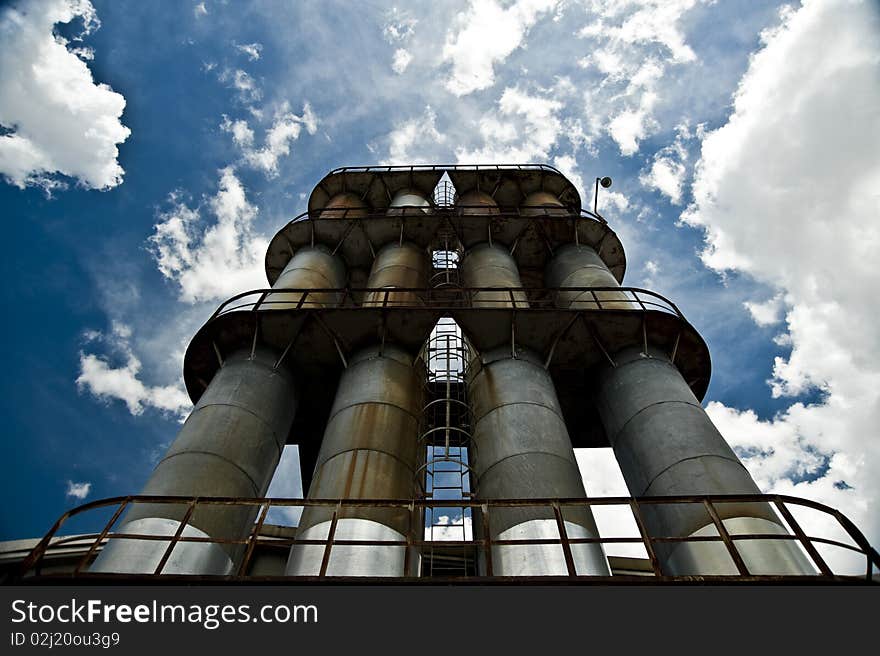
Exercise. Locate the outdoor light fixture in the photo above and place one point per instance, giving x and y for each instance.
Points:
(605, 182)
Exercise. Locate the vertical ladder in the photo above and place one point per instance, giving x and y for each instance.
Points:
(445, 435)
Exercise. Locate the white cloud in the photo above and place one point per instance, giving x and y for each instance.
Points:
(485, 35)
(107, 382)
(633, 45)
(524, 128)
(56, 118)
(568, 166)
(399, 26)
(668, 170)
(766, 313)
(651, 22)
(613, 198)
(200, 10)
(285, 129)
(457, 525)
(402, 58)
(398, 31)
(252, 50)
(216, 261)
(651, 269)
(666, 176)
(246, 87)
(78, 490)
(411, 142)
(787, 191)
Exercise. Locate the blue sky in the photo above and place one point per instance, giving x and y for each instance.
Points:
(148, 151)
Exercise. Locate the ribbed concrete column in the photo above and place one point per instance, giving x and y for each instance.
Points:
(491, 265)
(229, 446)
(520, 444)
(398, 265)
(312, 267)
(370, 450)
(667, 445)
(576, 265)
(521, 449)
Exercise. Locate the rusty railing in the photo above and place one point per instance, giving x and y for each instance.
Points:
(31, 569)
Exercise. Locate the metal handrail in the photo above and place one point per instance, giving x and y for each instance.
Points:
(539, 298)
(501, 212)
(30, 569)
(444, 167)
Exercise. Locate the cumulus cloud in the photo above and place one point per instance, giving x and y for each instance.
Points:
(55, 118)
(402, 58)
(523, 128)
(454, 524)
(643, 23)
(786, 191)
(78, 490)
(107, 382)
(210, 262)
(766, 313)
(411, 141)
(667, 172)
(632, 45)
(614, 199)
(200, 10)
(285, 129)
(484, 35)
(666, 176)
(568, 166)
(649, 276)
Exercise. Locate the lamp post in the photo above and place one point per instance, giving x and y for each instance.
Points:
(605, 182)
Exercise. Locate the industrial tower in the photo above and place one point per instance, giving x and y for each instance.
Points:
(448, 332)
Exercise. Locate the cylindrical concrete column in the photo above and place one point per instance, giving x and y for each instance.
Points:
(521, 449)
(492, 265)
(575, 265)
(397, 265)
(229, 446)
(312, 267)
(370, 450)
(667, 445)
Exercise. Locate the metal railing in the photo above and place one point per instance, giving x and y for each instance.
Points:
(482, 543)
(444, 167)
(627, 299)
(530, 213)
